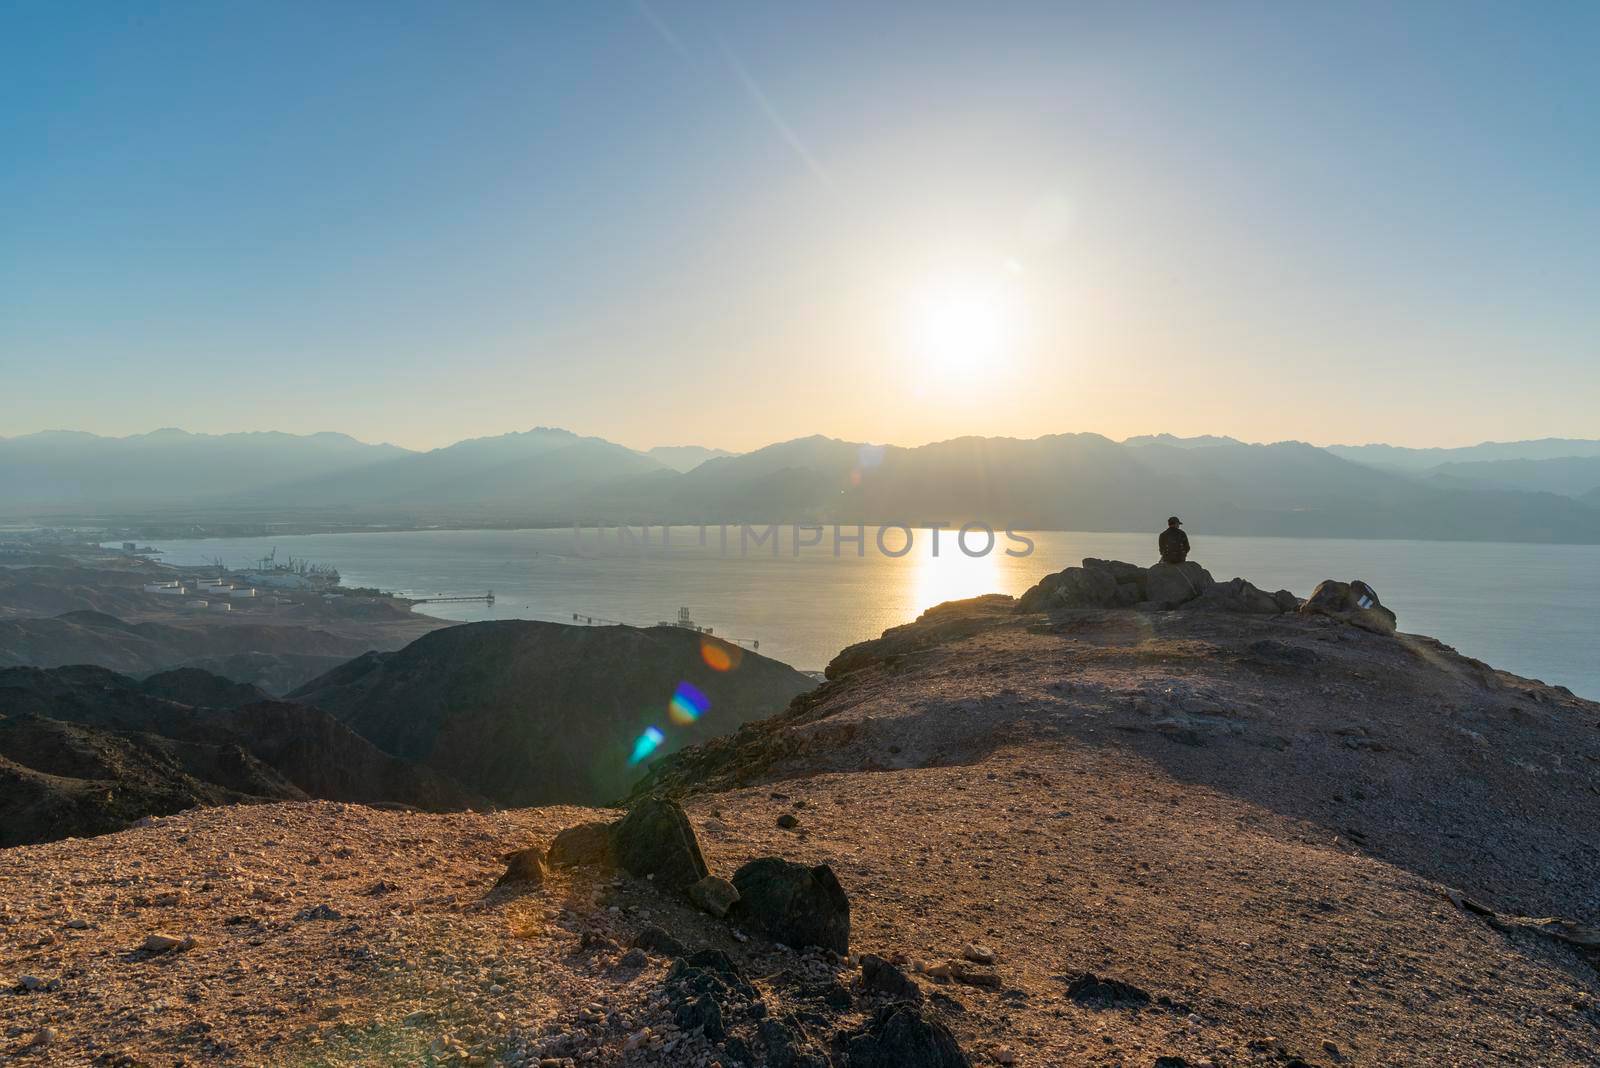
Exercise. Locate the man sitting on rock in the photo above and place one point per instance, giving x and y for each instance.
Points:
(1174, 542)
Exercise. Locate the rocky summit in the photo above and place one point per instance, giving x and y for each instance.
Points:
(1032, 831)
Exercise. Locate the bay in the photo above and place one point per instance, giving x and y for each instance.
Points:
(1523, 608)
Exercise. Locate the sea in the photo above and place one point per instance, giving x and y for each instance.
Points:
(1529, 609)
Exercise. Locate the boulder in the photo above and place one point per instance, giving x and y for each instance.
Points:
(587, 845)
(524, 867)
(1075, 587)
(1081, 588)
(655, 840)
(1169, 585)
(713, 895)
(1120, 570)
(899, 1036)
(1337, 600)
(793, 904)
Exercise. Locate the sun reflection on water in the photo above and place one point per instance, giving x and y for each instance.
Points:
(952, 576)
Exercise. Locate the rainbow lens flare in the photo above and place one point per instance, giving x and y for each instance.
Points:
(687, 705)
(720, 656)
(648, 743)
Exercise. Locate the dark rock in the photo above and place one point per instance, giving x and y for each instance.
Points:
(524, 867)
(656, 839)
(1287, 602)
(794, 904)
(788, 1048)
(900, 1036)
(1089, 989)
(882, 979)
(656, 940)
(788, 821)
(586, 845)
(703, 1014)
(1339, 600)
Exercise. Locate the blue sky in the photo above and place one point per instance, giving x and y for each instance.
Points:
(735, 223)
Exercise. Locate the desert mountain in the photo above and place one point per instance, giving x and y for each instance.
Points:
(1062, 481)
(1088, 482)
(62, 470)
(1570, 476)
(89, 750)
(1421, 460)
(514, 473)
(546, 713)
(685, 457)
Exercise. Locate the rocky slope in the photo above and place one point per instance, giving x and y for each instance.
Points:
(87, 751)
(542, 713)
(1087, 836)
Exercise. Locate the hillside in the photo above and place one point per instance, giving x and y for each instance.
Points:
(1190, 837)
(88, 751)
(277, 657)
(546, 713)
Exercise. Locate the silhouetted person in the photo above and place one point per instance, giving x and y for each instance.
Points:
(1174, 542)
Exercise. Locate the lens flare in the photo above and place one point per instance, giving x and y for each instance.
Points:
(720, 656)
(648, 743)
(687, 705)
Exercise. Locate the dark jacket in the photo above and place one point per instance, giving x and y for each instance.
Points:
(1174, 545)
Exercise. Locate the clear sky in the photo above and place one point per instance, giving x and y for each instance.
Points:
(733, 223)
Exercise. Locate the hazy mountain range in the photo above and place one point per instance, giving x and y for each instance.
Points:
(1545, 490)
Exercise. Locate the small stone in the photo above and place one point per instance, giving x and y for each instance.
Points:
(319, 912)
(634, 959)
(166, 943)
(45, 1036)
(78, 923)
(978, 954)
(788, 821)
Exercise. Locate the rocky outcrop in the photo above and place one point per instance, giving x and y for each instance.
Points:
(1118, 584)
(1341, 601)
(794, 904)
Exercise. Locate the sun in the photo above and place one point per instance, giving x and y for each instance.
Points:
(960, 332)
